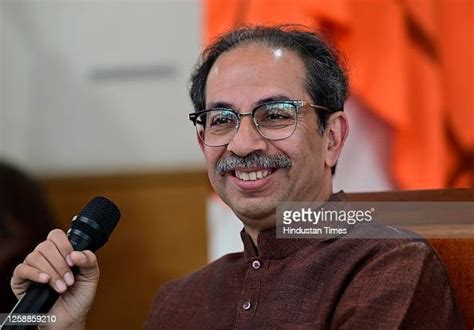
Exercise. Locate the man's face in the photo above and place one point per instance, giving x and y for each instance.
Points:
(243, 78)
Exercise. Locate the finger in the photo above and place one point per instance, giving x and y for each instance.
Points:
(39, 261)
(87, 263)
(57, 260)
(50, 251)
(22, 277)
(59, 238)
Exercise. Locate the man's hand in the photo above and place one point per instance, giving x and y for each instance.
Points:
(51, 262)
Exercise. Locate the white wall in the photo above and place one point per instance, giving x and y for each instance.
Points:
(57, 117)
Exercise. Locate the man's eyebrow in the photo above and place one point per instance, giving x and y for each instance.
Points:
(273, 98)
(226, 105)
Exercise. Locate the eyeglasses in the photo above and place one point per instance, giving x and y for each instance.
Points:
(274, 120)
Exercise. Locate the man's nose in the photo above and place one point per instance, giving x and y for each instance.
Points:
(247, 139)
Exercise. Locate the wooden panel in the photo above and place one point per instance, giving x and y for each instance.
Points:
(161, 235)
(438, 195)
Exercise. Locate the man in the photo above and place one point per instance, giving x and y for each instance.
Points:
(268, 113)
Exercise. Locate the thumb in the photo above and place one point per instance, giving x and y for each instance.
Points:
(87, 263)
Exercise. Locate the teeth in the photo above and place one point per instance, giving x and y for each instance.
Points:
(251, 176)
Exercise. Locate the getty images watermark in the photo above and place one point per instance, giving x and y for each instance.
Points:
(323, 221)
(375, 219)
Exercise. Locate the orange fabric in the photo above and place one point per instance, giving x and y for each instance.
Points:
(411, 63)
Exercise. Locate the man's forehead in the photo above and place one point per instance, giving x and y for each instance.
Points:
(246, 55)
(256, 71)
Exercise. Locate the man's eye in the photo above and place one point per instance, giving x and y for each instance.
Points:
(277, 115)
(222, 120)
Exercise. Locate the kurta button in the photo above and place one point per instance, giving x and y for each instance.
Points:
(256, 264)
(247, 305)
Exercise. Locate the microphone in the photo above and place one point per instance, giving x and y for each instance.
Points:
(90, 230)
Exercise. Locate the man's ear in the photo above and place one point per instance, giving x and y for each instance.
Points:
(336, 133)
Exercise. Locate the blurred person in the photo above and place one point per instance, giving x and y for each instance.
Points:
(25, 220)
(269, 119)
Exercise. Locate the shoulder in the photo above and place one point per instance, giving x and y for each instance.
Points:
(402, 275)
(410, 257)
(388, 251)
(388, 239)
(399, 257)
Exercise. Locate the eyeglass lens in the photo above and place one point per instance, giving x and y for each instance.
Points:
(274, 121)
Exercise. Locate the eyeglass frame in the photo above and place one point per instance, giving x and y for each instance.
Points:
(298, 104)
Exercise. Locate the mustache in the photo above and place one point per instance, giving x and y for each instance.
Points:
(255, 159)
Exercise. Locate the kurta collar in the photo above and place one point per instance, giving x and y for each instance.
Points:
(271, 247)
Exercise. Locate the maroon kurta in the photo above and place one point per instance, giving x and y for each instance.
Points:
(314, 283)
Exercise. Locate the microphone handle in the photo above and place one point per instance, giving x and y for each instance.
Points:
(39, 298)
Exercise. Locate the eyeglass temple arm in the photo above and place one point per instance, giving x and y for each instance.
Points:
(193, 117)
(315, 106)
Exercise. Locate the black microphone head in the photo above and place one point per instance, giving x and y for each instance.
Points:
(104, 212)
(92, 227)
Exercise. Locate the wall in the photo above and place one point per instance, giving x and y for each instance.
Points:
(97, 86)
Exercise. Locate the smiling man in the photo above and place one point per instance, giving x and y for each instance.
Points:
(269, 120)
